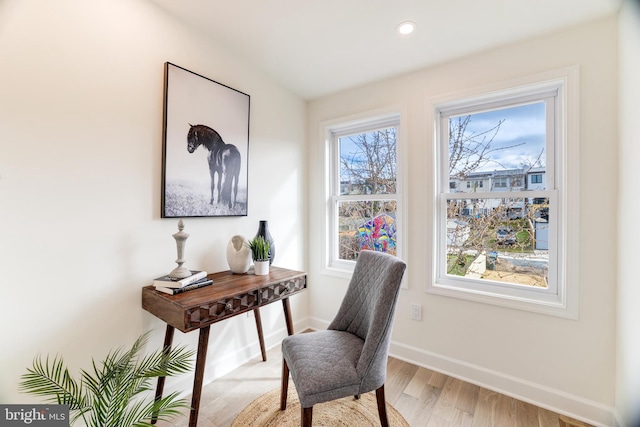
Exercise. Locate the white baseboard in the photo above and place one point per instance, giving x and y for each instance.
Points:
(573, 406)
(539, 395)
(218, 365)
(617, 422)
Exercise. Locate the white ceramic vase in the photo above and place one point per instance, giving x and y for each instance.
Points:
(261, 267)
(238, 255)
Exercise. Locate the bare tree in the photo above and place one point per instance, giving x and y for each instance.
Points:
(469, 151)
(369, 167)
(498, 227)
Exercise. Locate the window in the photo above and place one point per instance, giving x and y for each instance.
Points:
(364, 206)
(516, 181)
(507, 244)
(500, 182)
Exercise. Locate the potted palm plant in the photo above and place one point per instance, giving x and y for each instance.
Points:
(259, 247)
(115, 392)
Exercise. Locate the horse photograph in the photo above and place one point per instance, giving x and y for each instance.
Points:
(224, 161)
(206, 145)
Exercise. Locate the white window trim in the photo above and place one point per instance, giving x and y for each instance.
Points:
(562, 302)
(393, 115)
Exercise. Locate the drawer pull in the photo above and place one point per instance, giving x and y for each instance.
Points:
(228, 306)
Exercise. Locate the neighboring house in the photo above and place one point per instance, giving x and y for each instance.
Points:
(476, 182)
(490, 181)
(457, 233)
(536, 179)
(508, 180)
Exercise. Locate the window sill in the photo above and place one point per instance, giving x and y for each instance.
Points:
(547, 304)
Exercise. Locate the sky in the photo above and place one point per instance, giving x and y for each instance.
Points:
(522, 135)
(520, 139)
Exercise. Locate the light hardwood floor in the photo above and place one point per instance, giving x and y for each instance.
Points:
(425, 398)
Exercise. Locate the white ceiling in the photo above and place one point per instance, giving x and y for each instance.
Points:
(315, 47)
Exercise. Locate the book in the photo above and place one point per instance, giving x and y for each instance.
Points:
(168, 282)
(195, 285)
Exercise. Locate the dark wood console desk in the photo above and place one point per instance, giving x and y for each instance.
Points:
(228, 296)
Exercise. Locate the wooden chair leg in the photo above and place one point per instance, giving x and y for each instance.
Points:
(307, 416)
(284, 386)
(382, 407)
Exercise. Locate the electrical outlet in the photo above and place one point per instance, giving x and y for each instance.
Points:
(416, 312)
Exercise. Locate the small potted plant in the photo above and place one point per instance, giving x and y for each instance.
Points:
(260, 253)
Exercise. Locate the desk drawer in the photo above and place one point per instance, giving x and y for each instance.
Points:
(281, 290)
(221, 309)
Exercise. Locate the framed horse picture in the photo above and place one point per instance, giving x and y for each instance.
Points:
(205, 148)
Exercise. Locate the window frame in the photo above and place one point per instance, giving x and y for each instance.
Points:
(332, 131)
(561, 189)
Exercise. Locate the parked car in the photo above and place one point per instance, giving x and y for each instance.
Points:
(505, 236)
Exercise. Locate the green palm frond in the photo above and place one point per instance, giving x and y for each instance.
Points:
(52, 381)
(113, 392)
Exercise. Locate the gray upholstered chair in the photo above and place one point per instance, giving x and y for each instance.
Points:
(350, 357)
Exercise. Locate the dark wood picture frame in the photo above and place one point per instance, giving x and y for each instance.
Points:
(205, 152)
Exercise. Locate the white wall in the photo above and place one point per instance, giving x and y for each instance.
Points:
(81, 101)
(568, 365)
(628, 349)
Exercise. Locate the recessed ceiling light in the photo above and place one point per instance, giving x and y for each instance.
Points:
(406, 27)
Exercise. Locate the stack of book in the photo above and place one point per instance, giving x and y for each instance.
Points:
(166, 284)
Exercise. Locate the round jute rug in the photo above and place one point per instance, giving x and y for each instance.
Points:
(348, 412)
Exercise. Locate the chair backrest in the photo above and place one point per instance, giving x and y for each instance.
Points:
(367, 311)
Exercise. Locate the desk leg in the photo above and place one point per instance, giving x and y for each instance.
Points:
(256, 313)
(168, 341)
(287, 315)
(201, 359)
